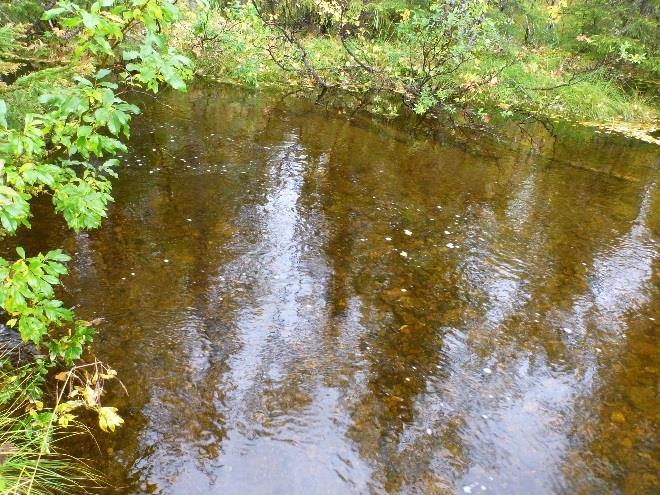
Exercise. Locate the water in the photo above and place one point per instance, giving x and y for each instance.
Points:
(303, 303)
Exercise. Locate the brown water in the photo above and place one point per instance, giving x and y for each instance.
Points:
(303, 303)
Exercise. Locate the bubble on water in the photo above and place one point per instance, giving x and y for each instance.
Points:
(487, 371)
(429, 431)
(467, 489)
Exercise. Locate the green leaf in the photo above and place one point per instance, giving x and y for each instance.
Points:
(90, 21)
(53, 13)
(130, 54)
(31, 329)
(58, 255)
(114, 123)
(102, 73)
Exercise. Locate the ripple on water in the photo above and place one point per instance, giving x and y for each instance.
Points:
(289, 346)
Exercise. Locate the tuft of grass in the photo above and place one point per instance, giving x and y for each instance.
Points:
(30, 461)
(30, 465)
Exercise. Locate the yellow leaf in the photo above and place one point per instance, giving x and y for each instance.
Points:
(109, 419)
(68, 406)
(109, 374)
(62, 376)
(65, 419)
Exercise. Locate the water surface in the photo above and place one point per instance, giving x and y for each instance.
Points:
(304, 303)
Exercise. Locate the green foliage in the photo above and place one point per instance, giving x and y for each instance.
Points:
(10, 36)
(67, 152)
(625, 32)
(27, 293)
(21, 11)
(585, 60)
(66, 149)
(153, 63)
(22, 96)
(31, 465)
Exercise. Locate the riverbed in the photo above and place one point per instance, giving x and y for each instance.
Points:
(301, 301)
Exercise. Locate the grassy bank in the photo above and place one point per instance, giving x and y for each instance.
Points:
(467, 63)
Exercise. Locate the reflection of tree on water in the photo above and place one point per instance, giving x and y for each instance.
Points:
(400, 337)
(555, 245)
(178, 350)
(175, 347)
(618, 422)
(287, 344)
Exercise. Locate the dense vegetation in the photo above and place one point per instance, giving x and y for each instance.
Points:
(585, 60)
(66, 66)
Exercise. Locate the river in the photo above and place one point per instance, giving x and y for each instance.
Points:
(301, 301)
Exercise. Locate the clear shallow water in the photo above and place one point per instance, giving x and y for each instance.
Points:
(299, 303)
